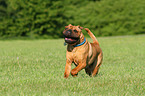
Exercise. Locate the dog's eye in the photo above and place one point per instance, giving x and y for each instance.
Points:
(75, 31)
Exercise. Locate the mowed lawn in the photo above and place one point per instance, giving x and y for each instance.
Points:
(36, 68)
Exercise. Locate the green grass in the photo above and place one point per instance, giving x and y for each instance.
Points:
(35, 68)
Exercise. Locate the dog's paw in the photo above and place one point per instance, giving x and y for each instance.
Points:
(74, 73)
(66, 75)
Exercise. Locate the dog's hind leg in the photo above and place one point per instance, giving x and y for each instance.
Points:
(89, 69)
(99, 62)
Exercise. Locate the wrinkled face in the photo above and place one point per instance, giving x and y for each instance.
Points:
(72, 33)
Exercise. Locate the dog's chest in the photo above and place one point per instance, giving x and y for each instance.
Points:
(78, 54)
(77, 57)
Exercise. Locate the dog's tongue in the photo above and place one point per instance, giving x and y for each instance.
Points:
(69, 39)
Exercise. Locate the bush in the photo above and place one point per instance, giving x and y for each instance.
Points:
(47, 18)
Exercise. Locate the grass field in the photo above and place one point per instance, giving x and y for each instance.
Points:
(36, 68)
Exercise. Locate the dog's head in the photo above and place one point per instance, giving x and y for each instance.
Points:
(72, 34)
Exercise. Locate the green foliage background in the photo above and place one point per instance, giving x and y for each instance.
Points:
(47, 18)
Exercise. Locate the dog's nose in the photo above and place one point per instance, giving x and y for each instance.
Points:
(68, 32)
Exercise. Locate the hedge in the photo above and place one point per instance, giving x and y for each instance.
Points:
(47, 18)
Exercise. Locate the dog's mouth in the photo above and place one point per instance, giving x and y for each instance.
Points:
(71, 40)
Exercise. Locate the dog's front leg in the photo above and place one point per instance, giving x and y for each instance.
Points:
(67, 68)
(75, 71)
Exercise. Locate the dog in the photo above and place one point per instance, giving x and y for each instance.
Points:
(83, 54)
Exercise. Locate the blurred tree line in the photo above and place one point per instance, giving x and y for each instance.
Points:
(47, 18)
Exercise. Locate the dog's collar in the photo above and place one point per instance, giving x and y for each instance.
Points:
(80, 43)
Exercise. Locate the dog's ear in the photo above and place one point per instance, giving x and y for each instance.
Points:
(69, 25)
(66, 26)
(80, 27)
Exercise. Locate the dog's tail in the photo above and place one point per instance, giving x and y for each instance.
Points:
(92, 36)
